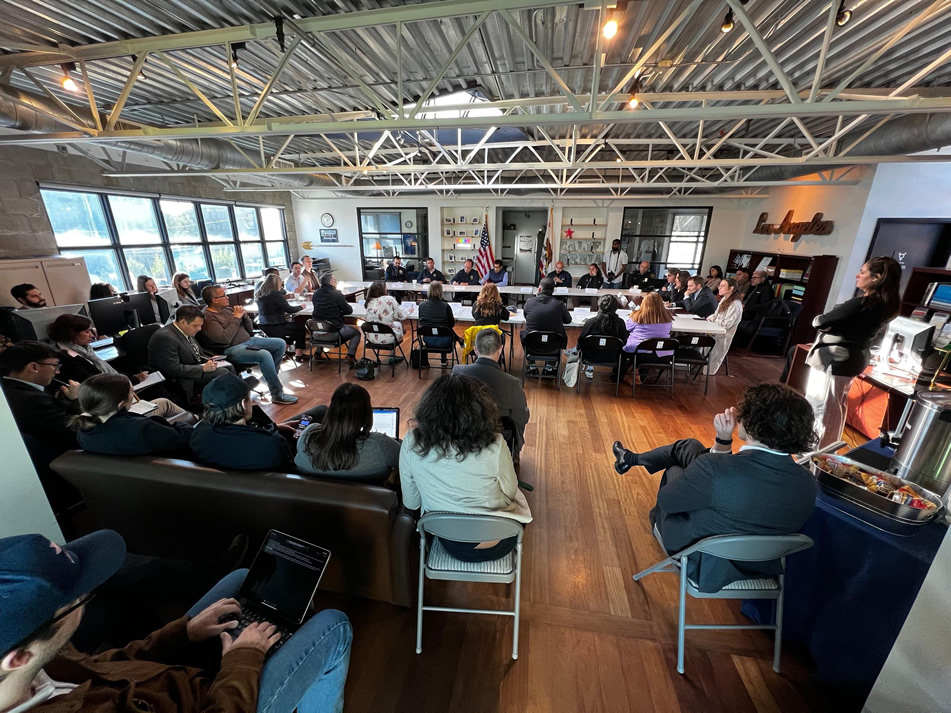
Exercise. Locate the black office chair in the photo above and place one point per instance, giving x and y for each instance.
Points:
(694, 353)
(648, 357)
(450, 351)
(544, 347)
(325, 336)
(134, 344)
(776, 322)
(385, 330)
(601, 350)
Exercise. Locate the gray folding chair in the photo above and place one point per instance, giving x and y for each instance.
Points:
(738, 548)
(439, 564)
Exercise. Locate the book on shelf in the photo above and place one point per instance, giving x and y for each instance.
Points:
(940, 296)
(790, 274)
(805, 276)
(764, 264)
(929, 292)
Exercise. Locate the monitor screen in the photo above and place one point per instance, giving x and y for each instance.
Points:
(112, 315)
(285, 575)
(386, 421)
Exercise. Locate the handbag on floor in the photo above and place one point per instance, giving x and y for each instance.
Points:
(365, 369)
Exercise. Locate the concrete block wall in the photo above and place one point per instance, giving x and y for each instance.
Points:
(25, 229)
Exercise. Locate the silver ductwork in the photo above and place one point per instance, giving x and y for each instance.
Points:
(906, 135)
(31, 113)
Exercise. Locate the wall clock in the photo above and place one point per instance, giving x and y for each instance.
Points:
(408, 224)
(326, 220)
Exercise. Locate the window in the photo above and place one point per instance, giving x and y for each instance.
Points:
(666, 237)
(124, 236)
(78, 219)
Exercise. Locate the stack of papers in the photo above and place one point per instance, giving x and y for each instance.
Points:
(154, 378)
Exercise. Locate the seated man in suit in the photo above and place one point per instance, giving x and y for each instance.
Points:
(698, 298)
(758, 491)
(468, 275)
(507, 388)
(28, 296)
(174, 352)
(668, 290)
(644, 278)
(43, 592)
(430, 273)
(545, 313)
(28, 369)
(561, 277)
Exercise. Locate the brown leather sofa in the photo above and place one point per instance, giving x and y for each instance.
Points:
(176, 508)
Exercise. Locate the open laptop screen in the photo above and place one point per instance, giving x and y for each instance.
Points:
(386, 421)
(285, 575)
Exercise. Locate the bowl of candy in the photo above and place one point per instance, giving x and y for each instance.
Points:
(875, 489)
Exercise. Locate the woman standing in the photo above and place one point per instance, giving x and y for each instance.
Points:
(728, 315)
(340, 443)
(488, 308)
(455, 460)
(274, 315)
(714, 276)
(383, 308)
(841, 350)
(182, 284)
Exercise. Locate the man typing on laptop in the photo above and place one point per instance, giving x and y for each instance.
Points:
(44, 589)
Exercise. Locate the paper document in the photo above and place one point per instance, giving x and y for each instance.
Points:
(142, 407)
(591, 290)
(151, 380)
(222, 364)
(527, 290)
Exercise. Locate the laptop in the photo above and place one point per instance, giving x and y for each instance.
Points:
(280, 585)
(387, 421)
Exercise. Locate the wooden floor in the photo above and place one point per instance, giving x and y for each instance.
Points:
(591, 638)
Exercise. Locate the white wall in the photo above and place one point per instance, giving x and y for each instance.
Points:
(730, 221)
(24, 508)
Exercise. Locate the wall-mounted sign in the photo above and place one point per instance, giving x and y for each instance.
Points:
(328, 235)
(816, 226)
(307, 245)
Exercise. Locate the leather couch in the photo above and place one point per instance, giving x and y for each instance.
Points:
(176, 508)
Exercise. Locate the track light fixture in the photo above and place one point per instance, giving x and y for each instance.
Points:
(279, 33)
(610, 29)
(728, 23)
(69, 84)
(234, 53)
(633, 101)
(844, 15)
(141, 77)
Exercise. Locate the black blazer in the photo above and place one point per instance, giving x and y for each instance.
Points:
(43, 416)
(845, 332)
(702, 303)
(129, 434)
(586, 281)
(331, 306)
(272, 308)
(753, 492)
(170, 353)
(755, 299)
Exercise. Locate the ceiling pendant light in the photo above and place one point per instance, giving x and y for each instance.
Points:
(728, 23)
(610, 29)
(69, 84)
(633, 101)
(234, 53)
(843, 16)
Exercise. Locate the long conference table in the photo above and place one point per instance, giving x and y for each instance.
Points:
(355, 287)
(682, 324)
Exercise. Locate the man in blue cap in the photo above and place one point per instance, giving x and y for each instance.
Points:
(43, 591)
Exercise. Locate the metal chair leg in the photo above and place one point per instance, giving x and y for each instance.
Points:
(518, 594)
(419, 599)
(682, 616)
(778, 643)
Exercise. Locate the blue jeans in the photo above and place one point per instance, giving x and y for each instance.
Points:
(310, 670)
(268, 358)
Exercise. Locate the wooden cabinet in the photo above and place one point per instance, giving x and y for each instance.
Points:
(62, 280)
(799, 278)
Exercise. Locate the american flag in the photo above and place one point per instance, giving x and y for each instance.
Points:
(485, 259)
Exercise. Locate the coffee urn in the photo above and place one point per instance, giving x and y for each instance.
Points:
(924, 450)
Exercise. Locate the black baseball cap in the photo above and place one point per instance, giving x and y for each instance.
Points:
(38, 577)
(225, 391)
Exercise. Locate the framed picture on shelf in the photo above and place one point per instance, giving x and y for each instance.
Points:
(450, 220)
(476, 233)
(448, 232)
(475, 221)
(462, 219)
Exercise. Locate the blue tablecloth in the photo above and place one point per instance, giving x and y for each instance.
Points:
(847, 597)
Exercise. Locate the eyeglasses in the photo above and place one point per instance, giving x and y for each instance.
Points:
(54, 364)
(81, 603)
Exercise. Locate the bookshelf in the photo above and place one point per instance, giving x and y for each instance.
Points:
(805, 279)
(583, 238)
(460, 228)
(916, 292)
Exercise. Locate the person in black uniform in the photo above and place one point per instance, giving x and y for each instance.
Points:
(395, 272)
(593, 280)
(430, 273)
(560, 276)
(468, 275)
(841, 350)
(434, 312)
(644, 278)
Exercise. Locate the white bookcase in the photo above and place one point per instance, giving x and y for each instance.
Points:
(460, 228)
(583, 238)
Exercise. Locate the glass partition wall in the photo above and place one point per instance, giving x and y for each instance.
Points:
(666, 237)
(389, 232)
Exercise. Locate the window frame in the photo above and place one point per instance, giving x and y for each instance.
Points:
(165, 244)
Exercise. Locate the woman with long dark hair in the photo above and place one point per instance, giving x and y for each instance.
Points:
(340, 442)
(605, 323)
(101, 290)
(714, 276)
(455, 460)
(107, 426)
(275, 314)
(728, 315)
(841, 350)
(678, 289)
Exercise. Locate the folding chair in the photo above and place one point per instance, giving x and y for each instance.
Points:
(384, 330)
(544, 347)
(439, 564)
(423, 332)
(601, 350)
(694, 353)
(324, 335)
(737, 548)
(777, 321)
(648, 356)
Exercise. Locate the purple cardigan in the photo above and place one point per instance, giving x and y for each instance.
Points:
(637, 333)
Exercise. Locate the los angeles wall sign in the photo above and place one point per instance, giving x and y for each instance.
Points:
(816, 226)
